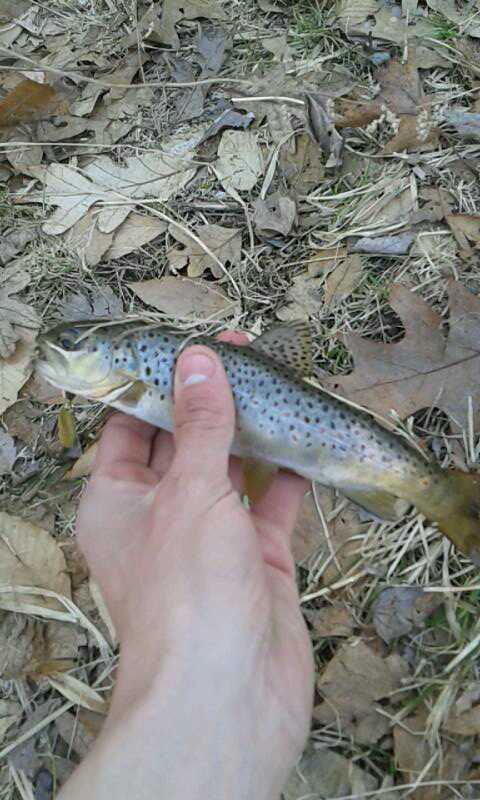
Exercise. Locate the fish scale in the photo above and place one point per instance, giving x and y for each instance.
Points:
(280, 418)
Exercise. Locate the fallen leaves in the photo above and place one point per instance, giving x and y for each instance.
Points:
(239, 163)
(182, 298)
(155, 174)
(425, 368)
(30, 101)
(343, 280)
(325, 773)
(225, 243)
(400, 609)
(8, 453)
(351, 684)
(15, 316)
(29, 556)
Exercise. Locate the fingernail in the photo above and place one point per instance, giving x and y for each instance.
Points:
(195, 368)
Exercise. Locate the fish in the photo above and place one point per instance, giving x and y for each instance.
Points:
(282, 419)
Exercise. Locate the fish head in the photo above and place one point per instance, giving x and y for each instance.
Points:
(77, 357)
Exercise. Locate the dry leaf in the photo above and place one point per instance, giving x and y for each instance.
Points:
(412, 754)
(321, 127)
(239, 164)
(78, 692)
(400, 609)
(84, 239)
(276, 214)
(135, 232)
(333, 621)
(15, 316)
(29, 556)
(343, 280)
(14, 242)
(162, 29)
(30, 101)
(80, 730)
(466, 229)
(228, 119)
(324, 773)
(350, 13)
(15, 370)
(305, 298)
(383, 245)
(8, 453)
(225, 243)
(352, 682)
(303, 169)
(325, 260)
(411, 136)
(83, 465)
(154, 174)
(466, 124)
(182, 298)
(103, 302)
(424, 369)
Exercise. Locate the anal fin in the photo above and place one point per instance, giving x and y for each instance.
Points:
(378, 503)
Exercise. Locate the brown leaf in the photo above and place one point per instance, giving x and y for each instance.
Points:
(8, 452)
(343, 280)
(274, 215)
(325, 773)
(333, 621)
(423, 369)
(83, 465)
(353, 681)
(30, 101)
(80, 730)
(15, 370)
(411, 136)
(400, 609)
(303, 170)
(225, 243)
(15, 316)
(412, 754)
(184, 298)
(29, 556)
(322, 129)
(466, 229)
(325, 260)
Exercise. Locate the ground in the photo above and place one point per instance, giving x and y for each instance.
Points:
(325, 158)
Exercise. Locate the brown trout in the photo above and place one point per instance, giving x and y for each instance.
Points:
(280, 418)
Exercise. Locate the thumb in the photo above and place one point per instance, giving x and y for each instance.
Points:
(203, 416)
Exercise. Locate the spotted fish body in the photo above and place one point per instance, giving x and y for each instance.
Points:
(280, 418)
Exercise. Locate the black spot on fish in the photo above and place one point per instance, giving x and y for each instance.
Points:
(148, 371)
(156, 381)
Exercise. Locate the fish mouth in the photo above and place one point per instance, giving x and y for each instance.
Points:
(77, 372)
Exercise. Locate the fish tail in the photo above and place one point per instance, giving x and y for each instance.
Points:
(455, 507)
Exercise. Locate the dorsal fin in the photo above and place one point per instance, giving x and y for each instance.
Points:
(289, 345)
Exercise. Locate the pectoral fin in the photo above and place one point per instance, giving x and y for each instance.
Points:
(380, 504)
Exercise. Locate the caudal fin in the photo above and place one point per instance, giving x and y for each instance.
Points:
(457, 512)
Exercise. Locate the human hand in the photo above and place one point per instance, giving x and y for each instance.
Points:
(214, 690)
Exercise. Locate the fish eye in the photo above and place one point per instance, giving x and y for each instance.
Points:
(68, 338)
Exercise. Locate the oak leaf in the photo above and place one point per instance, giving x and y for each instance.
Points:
(427, 367)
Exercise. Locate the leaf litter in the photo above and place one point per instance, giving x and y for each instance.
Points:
(321, 164)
